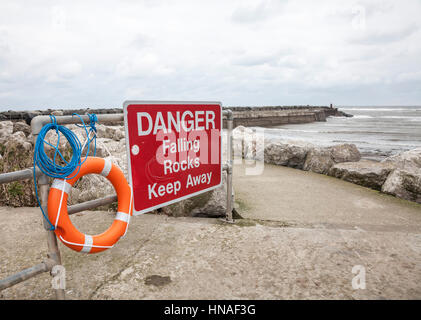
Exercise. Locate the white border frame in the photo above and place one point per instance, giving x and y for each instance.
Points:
(130, 102)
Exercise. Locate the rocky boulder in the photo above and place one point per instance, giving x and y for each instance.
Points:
(409, 160)
(306, 156)
(16, 154)
(405, 181)
(209, 204)
(404, 184)
(321, 159)
(318, 160)
(115, 133)
(290, 154)
(23, 127)
(6, 129)
(345, 153)
(367, 173)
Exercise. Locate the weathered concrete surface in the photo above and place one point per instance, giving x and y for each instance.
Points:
(306, 197)
(304, 234)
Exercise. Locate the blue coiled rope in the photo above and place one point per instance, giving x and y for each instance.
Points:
(49, 166)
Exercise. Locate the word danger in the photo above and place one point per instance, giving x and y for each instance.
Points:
(187, 121)
(155, 190)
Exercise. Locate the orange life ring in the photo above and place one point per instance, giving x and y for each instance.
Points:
(58, 215)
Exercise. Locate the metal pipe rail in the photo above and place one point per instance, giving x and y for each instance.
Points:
(19, 175)
(27, 274)
(50, 263)
(38, 122)
(91, 204)
(54, 253)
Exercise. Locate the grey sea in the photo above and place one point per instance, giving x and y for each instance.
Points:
(378, 132)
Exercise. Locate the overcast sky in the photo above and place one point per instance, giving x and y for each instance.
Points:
(100, 53)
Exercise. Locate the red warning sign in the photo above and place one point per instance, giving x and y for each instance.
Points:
(173, 150)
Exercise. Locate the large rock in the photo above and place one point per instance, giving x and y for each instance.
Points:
(405, 181)
(345, 153)
(6, 129)
(409, 160)
(321, 159)
(290, 154)
(318, 160)
(209, 204)
(110, 132)
(23, 127)
(404, 184)
(367, 173)
(306, 156)
(16, 154)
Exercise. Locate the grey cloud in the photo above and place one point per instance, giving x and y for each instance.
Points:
(275, 58)
(249, 61)
(258, 12)
(142, 41)
(381, 37)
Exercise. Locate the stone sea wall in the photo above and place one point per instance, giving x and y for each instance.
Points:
(274, 116)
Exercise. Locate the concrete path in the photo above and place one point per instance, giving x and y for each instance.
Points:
(303, 235)
(303, 198)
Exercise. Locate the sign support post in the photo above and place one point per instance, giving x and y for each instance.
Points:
(229, 166)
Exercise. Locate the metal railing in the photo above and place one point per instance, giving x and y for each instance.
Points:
(53, 256)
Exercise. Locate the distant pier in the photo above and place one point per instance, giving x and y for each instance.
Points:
(244, 116)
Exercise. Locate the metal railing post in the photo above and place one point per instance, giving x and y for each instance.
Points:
(53, 250)
(230, 124)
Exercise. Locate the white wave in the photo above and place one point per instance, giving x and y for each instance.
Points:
(293, 130)
(380, 109)
(396, 117)
(362, 117)
(410, 118)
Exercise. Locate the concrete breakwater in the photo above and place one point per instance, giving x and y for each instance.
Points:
(243, 116)
(273, 116)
